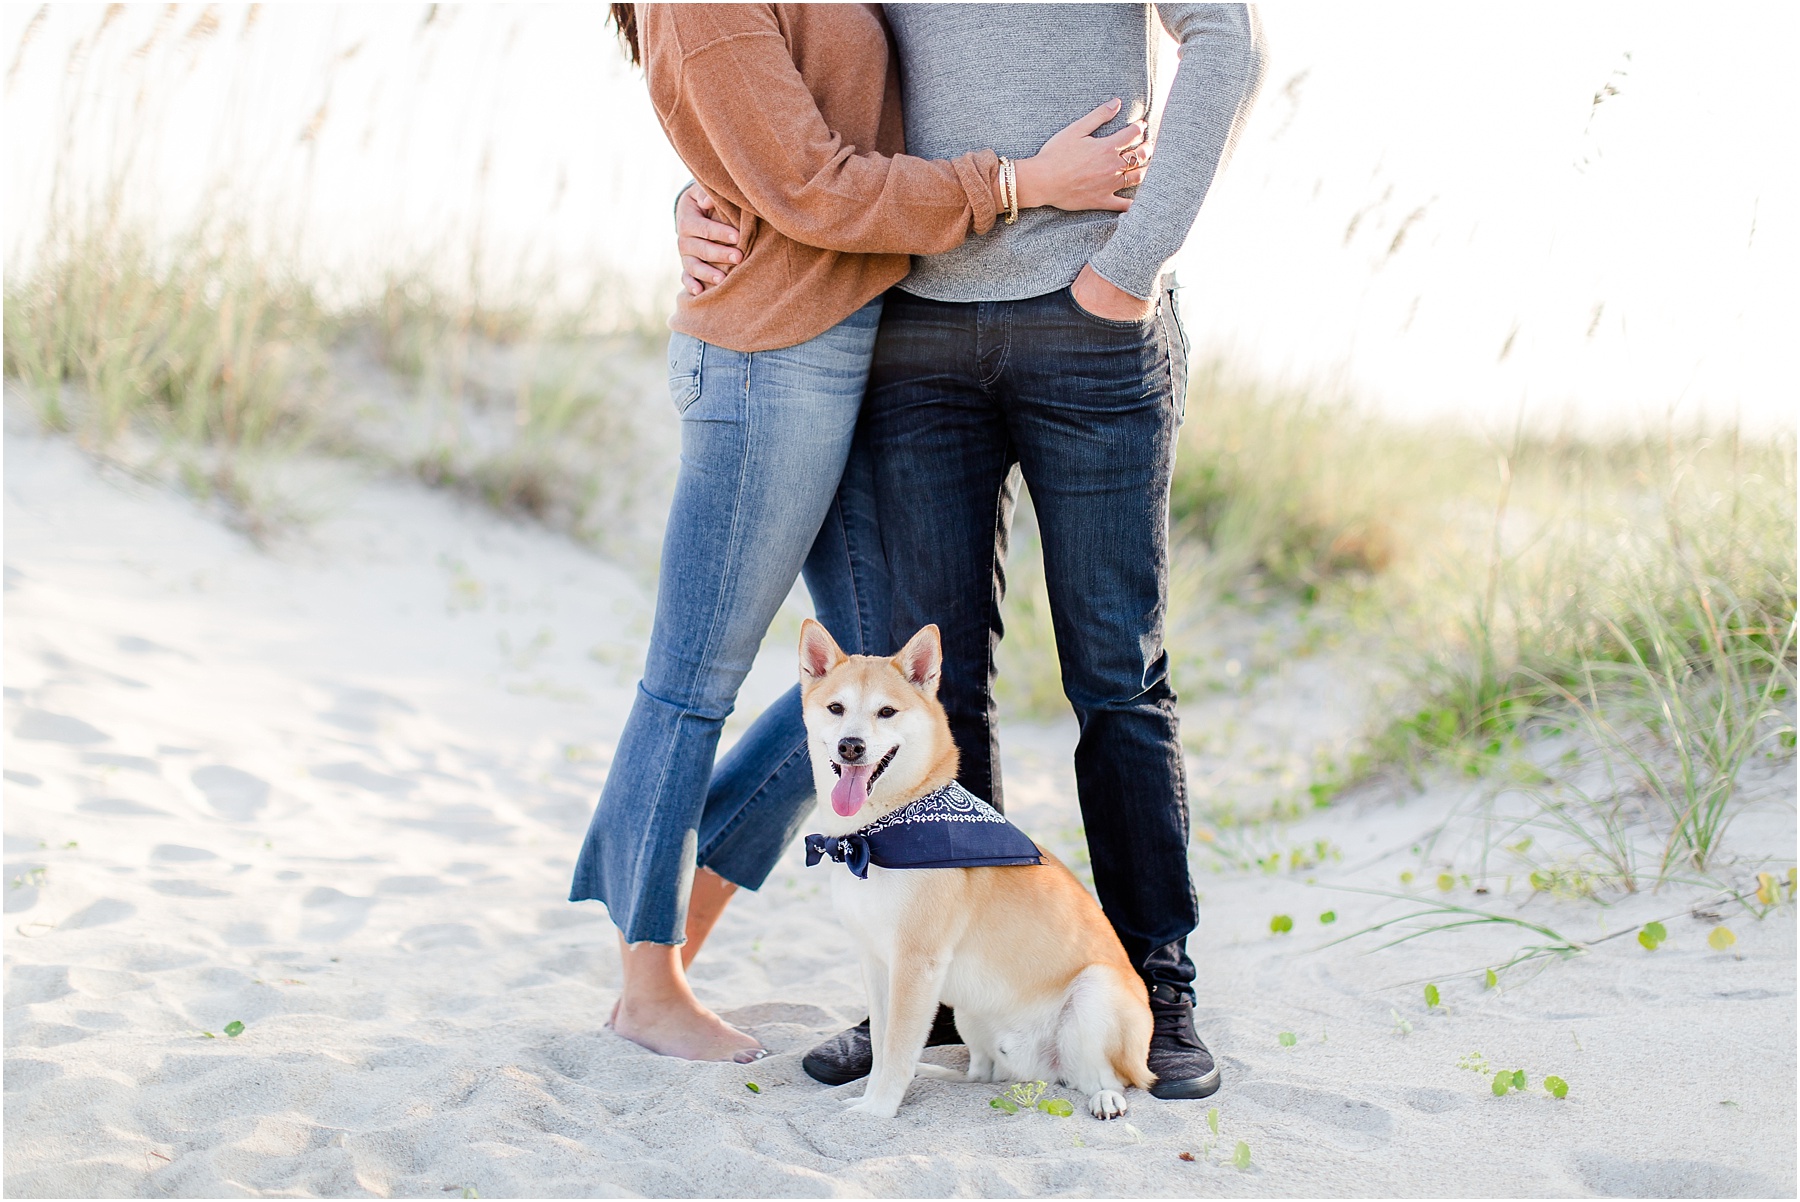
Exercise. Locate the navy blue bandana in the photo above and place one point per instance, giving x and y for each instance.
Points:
(951, 828)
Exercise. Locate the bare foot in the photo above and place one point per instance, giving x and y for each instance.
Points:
(686, 1030)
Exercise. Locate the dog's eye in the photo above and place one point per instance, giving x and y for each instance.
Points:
(886, 711)
(836, 707)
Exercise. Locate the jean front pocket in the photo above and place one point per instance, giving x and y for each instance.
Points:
(687, 359)
(1142, 325)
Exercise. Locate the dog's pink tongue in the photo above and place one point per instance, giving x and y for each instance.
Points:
(852, 789)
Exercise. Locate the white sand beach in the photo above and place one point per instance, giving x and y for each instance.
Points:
(332, 791)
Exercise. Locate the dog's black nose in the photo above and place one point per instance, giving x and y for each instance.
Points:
(850, 750)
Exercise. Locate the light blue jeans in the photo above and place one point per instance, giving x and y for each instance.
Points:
(765, 438)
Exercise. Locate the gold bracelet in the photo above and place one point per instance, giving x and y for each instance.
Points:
(1012, 191)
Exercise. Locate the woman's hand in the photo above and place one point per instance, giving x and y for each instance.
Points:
(708, 247)
(1075, 171)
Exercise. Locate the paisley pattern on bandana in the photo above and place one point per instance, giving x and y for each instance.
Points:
(951, 828)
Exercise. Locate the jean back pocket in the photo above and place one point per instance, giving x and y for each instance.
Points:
(687, 358)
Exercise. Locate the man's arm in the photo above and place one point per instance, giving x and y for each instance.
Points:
(1220, 73)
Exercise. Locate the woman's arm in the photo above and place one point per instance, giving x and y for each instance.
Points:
(736, 96)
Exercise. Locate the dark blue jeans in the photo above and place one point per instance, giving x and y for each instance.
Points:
(1087, 409)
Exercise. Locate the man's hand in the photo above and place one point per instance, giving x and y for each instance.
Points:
(708, 247)
(1100, 297)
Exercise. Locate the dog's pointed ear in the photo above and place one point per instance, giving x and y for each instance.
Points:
(819, 652)
(921, 661)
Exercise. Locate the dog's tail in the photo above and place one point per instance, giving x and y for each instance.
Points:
(1130, 1054)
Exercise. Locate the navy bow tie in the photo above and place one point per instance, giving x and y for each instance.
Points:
(845, 849)
(951, 828)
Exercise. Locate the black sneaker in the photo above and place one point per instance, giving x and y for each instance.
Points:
(1183, 1066)
(847, 1057)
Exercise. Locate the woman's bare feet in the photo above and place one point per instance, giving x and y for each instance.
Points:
(658, 1010)
(690, 1032)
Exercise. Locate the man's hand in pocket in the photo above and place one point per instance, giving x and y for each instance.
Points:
(1094, 293)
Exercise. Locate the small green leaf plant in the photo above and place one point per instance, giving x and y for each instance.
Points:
(1511, 1080)
(234, 1028)
(1240, 1156)
(1281, 924)
(1491, 980)
(1402, 1024)
(1329, 917)
(1721, 939)
(1286, 1039)
(1653, 935)
(1029, 1095)
(753, 1087)
(1432, 997)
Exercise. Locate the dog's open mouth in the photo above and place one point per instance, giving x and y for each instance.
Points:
(851, 792)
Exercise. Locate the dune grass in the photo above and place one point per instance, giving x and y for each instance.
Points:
(197, 358)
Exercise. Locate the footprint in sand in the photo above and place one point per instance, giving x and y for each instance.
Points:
(45, 727)
(1435, 1101)
(187, 889)
(176, 853)
(1613, 1177)
(362, 777)
(1349, 1122)
(338, 913)
(360, 710)
(234, 795)
(104, 912)
(132, 763)
(438, 935)
(131, 644)
(29, 984)
(122, 807)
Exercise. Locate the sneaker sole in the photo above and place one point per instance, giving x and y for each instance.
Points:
(1194, 1087)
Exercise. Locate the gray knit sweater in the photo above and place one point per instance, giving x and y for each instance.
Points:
(1008, 76)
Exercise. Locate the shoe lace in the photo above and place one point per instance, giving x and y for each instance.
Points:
(1173, 1023)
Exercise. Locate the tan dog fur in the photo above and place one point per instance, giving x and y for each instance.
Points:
(1041, 987)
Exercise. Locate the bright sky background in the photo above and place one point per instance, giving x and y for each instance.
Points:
(1613, 262)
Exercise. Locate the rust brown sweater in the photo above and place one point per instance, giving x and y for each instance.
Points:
(789, 115)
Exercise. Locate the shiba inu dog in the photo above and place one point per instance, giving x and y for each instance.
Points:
(1041, 987)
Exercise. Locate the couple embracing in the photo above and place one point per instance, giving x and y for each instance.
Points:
(883, 328)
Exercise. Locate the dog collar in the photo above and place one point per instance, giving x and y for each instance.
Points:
(951, 828)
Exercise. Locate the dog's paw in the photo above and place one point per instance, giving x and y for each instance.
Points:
(938, 1072)
(869, 1106)
(1107, 1105)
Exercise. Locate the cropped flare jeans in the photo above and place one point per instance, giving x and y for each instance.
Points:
(762, 497)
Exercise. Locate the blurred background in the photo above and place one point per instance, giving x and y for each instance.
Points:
(1574, 211)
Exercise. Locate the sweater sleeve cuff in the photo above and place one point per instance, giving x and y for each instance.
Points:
(1124, 276)
(976, 172)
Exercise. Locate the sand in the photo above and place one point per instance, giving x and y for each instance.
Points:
(332, 790)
